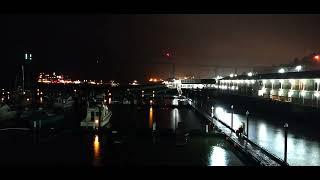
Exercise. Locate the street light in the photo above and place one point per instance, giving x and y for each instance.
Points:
(212, 108)
(250, 74)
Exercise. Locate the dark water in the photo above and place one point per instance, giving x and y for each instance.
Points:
(131, 145)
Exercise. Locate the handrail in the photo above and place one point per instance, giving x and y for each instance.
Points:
(268, 153)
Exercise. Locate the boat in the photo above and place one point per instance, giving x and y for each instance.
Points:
(42, 118)
(98, 115)
(64, 104)
(6, 113)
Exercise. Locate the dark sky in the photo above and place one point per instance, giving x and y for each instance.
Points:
(127, 45)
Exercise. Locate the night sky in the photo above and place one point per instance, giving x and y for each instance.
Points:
(132, 46)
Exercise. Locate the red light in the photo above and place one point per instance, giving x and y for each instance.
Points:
(317, 57)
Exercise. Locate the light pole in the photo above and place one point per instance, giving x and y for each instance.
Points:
(285, 141)
(212, 108)
(247, 114)
(231, 116)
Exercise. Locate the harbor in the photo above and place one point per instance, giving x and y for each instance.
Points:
(138, 134)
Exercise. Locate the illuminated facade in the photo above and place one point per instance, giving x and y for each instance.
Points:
(54, 78)
(296, 87)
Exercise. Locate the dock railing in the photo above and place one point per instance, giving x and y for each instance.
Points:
(252, 149)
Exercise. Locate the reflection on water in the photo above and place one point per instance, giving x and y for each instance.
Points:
(109, 100)
(41, 100)
(96, 151)
(301, 150)
(217, 157)
(262, 132)
(175, 118)
(150, 117)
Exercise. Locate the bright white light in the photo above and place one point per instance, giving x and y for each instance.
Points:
(298, 68)
(247, 81)
(175, 102)
(281, 70)
(252, 81)
(316, 94)
(218, 157)
(290, 93)
(219, 77)
(219, 110)
(26, 56)
(250, 74)
(272, 81)
(281, 92)
(231, 75)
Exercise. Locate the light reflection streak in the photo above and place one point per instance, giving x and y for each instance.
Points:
(150, 117)
(217, 157)
(96, 151)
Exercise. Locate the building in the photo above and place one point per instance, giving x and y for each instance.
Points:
(53, 78)
(296, 87)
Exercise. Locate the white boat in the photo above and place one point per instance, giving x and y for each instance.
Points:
(98, 115)
(6, 113)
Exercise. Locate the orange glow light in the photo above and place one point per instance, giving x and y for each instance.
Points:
(317, 57)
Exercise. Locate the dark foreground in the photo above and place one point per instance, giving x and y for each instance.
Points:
(130, 141)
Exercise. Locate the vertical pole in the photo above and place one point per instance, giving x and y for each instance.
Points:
(212, 108)
(231, 116)
(247, 113)
(22, 78)
(285, 141)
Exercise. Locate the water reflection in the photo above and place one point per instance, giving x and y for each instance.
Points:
(217, 157)
(175, 118)
(96, 151)
(150, 117)
(109, 100)
(41, 100)
(262, 132)
(302, 150)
